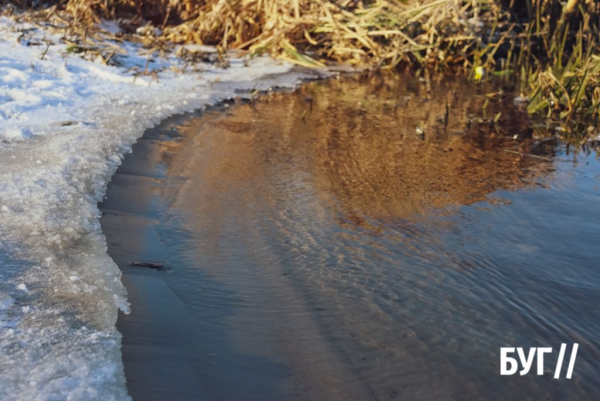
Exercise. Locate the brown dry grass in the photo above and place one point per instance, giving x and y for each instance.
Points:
(552, 46)
(312, 32)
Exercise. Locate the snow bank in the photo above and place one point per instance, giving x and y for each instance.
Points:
(65, 125)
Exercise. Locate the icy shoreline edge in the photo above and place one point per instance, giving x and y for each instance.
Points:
(65, 125)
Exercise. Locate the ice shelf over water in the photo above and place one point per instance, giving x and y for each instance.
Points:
(65, 125)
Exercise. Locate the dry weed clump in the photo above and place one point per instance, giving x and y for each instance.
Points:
(311, 32)
(551, 46)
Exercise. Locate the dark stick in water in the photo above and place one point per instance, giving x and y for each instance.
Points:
(148, 264)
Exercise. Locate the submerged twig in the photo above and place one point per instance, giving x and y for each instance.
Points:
(148, 264)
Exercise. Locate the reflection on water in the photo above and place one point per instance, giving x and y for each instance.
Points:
(372, 237)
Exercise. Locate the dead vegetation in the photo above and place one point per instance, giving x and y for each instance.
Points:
(550, 47)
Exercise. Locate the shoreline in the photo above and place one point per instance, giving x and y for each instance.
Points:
(67, 122)
(128, 213)
(279, 357)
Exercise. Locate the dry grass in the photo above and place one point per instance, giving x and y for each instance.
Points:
(551, 46)
(385, 33)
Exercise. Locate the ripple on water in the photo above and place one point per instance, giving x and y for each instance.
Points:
(411, 258)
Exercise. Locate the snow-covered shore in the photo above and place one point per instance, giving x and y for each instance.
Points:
(65, 125)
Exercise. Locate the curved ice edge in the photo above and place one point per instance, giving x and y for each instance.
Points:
(61, 290)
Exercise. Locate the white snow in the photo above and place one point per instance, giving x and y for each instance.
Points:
(65, 125)
(6, 301)
(110, 26)
(14, 134)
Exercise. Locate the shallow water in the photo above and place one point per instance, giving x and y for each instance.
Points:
(358, 239)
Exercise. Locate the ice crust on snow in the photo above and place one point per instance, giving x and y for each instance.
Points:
(65, 126)
(6, 300)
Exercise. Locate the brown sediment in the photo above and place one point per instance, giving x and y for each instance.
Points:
(204, 347)
(239, 202)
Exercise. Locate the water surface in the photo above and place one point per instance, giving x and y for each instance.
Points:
(359, 239)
